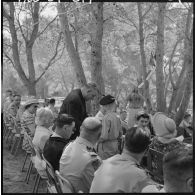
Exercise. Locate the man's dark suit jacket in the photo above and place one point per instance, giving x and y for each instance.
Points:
(53, 150)
(74, 104)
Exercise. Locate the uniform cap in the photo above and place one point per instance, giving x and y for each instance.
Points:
(108, 99)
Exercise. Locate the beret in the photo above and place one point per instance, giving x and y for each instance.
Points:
(108, 99)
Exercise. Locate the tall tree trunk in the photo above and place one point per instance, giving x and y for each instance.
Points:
(96, 54)
(160, 83)
(73, 54)
(31, 89)
(28, 82)
(177, 90)
(143, 58)
(188, 83)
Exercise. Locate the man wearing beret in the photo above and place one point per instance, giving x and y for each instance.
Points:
(111, 129)
(75, 105)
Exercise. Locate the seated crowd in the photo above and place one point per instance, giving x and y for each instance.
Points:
(109, 152)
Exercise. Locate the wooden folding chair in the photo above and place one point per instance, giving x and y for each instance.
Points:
(65, 185)
(31, 154)
(154, 165)
(39, 176)
(52, 179)
(34, 153)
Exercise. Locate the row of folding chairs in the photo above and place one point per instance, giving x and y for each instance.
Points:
(56, 183)
(11, 133)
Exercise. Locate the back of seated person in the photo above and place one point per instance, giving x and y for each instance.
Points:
(178, 170)
(122, 172)
(64, 125)
(44, 119)
(79, 160)
(165, 129)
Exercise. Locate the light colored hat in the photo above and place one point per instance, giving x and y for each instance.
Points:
(31, 101)
(163, 125)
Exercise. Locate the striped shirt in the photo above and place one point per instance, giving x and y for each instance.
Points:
(28, 126)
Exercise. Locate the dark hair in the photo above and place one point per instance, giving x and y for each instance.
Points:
(137, 140)
(16, 95)
(186, 115)
(144, 115)
(9, 90)
(63, 119)
(28, 106)
(52, 101)
(177, 163)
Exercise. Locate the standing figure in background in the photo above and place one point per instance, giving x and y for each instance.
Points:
(111, 129)
(8, 100)
(51, 106)
(123, 117)
(185, 128)
(75, 105)
(14, 106)
(135, 105)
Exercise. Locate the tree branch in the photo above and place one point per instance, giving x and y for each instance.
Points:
(51, 61)
(35, 16)
(147, 10)
(170, 63)
(40, 33)
(9, 59)
(44, 6)
(20, 27)
(5, 14)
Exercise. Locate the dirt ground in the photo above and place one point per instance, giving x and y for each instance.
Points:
(13, 178)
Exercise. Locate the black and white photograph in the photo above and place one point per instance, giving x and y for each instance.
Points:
(97, 96)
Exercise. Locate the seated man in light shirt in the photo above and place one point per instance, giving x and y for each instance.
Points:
(79, 160)
(122, 173)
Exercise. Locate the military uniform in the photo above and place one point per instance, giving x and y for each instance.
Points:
(111, 131)
(78, 164)
(120, 173)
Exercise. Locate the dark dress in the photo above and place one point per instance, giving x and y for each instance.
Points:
(74, 104)
(53, 150)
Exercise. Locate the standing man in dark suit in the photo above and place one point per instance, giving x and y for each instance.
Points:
(75, 105)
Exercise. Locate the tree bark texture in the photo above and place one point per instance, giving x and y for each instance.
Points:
(73, 54)
(29, 82)
(160, 83)
(177, 91)
(96, 54)
(143, 58)
(188, 81)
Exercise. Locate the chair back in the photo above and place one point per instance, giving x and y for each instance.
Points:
(30, 143)
(65, 185)
(155, 164)
(52, 176)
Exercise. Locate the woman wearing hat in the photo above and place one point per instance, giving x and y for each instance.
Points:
(28, 122)
(165, 129)
(111, 129)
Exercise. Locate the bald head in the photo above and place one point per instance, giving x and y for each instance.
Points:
(91, 124)
(91, 129)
